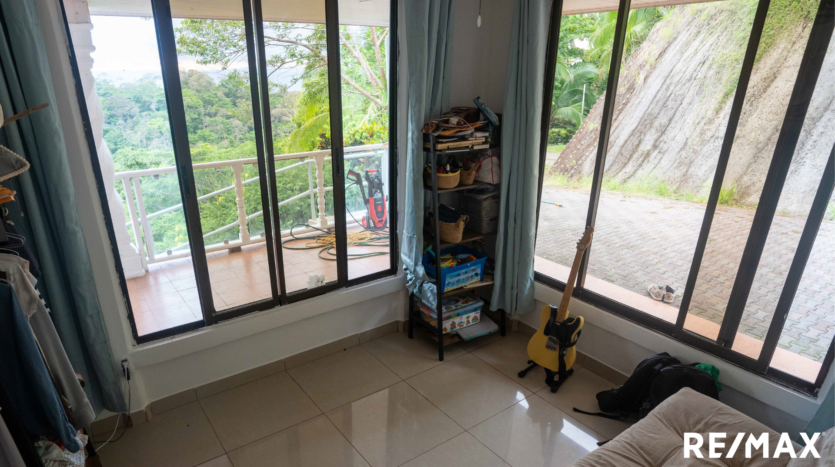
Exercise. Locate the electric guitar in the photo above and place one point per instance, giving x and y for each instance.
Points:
(552, 346)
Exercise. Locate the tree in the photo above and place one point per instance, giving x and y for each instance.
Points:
(295, 46)
(574, 93)
(638, 26)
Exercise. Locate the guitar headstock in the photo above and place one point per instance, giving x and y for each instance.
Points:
(585, 241)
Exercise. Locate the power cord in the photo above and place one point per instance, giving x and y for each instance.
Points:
(126, 372)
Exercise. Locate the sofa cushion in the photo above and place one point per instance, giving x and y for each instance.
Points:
(658, 439)
(825, 445)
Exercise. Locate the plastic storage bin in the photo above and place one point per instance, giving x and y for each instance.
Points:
(483, 205)
(458, 312)
(483, 225)
(459, 276)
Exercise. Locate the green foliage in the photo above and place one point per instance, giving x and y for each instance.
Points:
(784, 16)
(647, 184)
(830, 212)
(638, 27)
(560, 136)
(574, 93)
(728, 195)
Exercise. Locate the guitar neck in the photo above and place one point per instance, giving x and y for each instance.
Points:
(562, 312)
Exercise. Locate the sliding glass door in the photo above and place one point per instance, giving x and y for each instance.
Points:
(239, 129)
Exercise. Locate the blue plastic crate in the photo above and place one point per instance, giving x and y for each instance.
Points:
(459, 276)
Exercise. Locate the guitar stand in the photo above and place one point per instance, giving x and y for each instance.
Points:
(549, 375)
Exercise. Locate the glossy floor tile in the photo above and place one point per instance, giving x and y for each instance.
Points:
(408, 357)
(534, 433)
(580, 391)
(510, 356)
(468, 411)
(342, 377)
(468, 390)
(177, 438)
(462, 451)
(222, 461)
(314, 443)
(393, 426)
(255, 410)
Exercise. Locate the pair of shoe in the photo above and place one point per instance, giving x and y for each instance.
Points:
(664, 294)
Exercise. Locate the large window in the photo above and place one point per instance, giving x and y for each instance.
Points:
(710, 195)
(231, 127)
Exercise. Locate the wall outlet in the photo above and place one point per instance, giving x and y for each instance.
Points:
(126, 369)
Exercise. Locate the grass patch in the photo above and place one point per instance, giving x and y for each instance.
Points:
(645, 185)
(830, 212)
(728, 195)
(556, 148)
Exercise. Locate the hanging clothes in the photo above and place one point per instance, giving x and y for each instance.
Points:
(20, 249)
(23, 283)
(24, 376)
(9, 454)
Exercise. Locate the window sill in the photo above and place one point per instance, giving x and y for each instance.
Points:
(162, 350)
(801, 405)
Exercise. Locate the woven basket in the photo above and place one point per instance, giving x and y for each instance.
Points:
(453, 233)
(468, 176)
(445, 180)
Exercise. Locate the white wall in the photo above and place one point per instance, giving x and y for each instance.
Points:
(621, 344)
(479, 55)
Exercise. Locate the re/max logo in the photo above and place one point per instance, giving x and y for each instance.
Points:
(756, 446)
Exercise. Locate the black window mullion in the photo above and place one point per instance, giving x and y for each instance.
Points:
(337, 150)
(605, 127)
(722, 163)
(548, 95)
(801, 256)
(804, 88)
(182, 154)
(264, 143)
(393, 51)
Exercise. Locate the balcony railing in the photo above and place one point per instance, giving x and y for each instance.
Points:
(140, 223)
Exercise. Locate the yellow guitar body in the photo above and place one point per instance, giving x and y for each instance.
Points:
(549, 358)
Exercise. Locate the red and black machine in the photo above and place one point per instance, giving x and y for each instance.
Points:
(375, 201)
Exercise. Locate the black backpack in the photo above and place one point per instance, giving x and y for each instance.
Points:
(672, 379)
(654, 379)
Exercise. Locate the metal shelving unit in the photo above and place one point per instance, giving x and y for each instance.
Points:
(437, 245)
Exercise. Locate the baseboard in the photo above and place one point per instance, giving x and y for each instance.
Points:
(239, 379)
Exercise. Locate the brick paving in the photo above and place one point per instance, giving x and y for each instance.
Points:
(641, 240)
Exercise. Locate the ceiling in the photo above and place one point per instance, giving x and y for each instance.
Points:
(360, 12)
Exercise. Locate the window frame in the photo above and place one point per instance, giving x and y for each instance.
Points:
(803, 89)
(252, 15)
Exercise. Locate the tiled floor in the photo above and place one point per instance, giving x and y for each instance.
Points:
(167, 295)
(387, 402)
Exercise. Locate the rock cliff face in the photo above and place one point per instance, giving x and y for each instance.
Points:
(674, 98)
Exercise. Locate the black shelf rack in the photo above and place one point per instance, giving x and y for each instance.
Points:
(437, 245)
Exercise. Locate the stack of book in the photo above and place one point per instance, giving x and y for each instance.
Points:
(461, 140)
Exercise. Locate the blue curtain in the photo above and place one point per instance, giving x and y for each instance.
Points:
(513, 290)
(47, 213)
(428, 51)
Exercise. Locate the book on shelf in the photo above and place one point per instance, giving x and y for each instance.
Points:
(465, 143)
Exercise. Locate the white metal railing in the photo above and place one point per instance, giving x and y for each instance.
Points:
(140, 222)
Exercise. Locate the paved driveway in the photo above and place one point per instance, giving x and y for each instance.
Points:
(642, 240)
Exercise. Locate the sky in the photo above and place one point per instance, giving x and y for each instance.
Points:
(126, 50)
